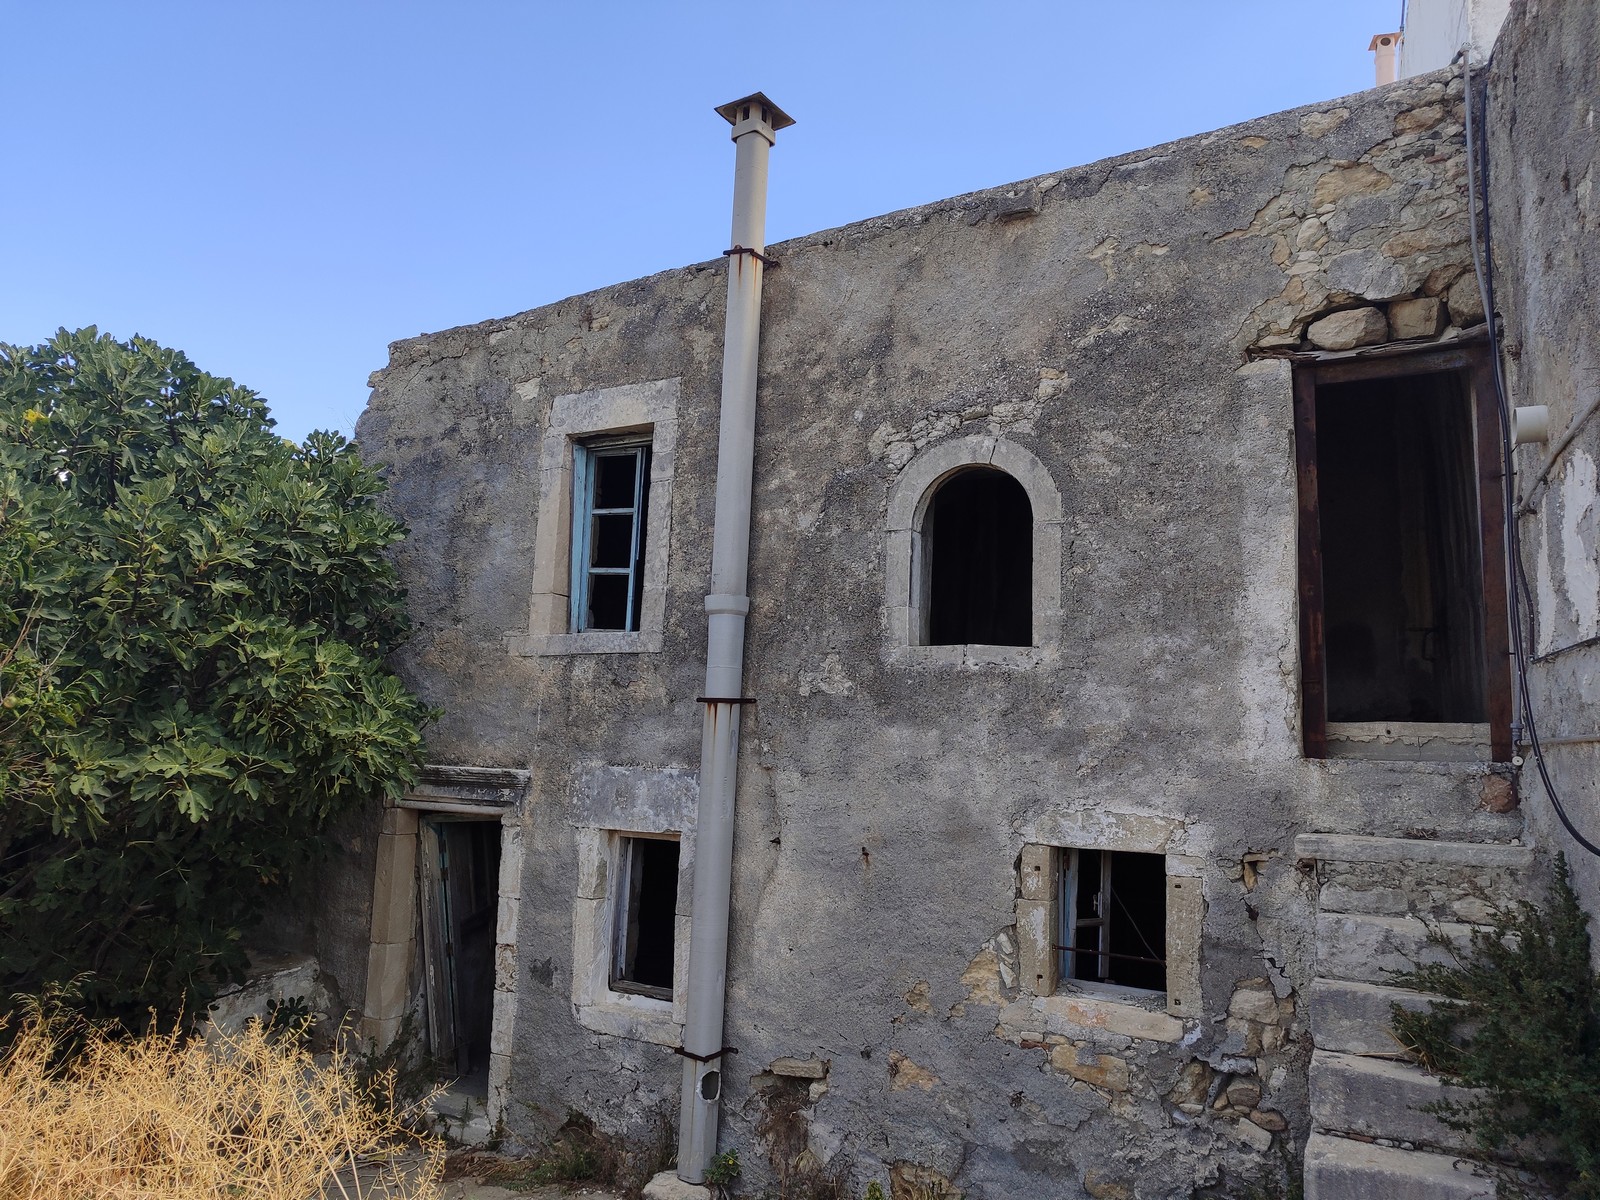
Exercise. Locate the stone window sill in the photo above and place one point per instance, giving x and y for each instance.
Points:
(973, 657)
(1096, 1010)
(535, 645)
(639, 1018)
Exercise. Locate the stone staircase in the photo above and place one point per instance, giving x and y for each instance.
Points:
(1383, 901)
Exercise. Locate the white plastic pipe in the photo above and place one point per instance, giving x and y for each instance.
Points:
(755, 121)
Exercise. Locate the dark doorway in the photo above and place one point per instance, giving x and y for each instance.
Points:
(977, 548)
(460, 869)
(1401, 565)
(1402, 579)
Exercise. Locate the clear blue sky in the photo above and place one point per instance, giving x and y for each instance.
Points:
(281, 188)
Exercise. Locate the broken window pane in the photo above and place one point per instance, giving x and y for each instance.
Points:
(646, 916)
(1113, 908)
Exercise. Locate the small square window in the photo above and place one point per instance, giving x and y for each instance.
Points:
(1113, 918)
(610, 514)
(645, 916)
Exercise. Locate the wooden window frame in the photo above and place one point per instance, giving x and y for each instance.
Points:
(624, 916)
(1076, 929)
(1474, 363)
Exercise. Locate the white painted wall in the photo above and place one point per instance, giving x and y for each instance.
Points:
(1436, 29)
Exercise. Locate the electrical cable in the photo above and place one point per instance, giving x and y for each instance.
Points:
(1518, 589)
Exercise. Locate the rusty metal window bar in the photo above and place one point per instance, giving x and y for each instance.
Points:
(1112, 907)
(644, 916)
(611, 501)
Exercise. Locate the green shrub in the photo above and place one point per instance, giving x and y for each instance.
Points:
(194, 619)
(1520, 1022)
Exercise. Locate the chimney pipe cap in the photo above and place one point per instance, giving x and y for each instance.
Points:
(734, 111)
(1383, 41)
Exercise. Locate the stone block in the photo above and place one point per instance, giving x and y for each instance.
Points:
(1101, 1186)
(594, 863)
(667, 1186)
(1080, 1014)
(1369, 274)
(1105, 1071)
(1186, 911)
(799, 1068)
(1252, 1135)
(1465, 301)
(503, 1023)
(1359, 179)
(1336, 847)
(1341, 1169)
(1254, 1000)
(1377, 1098)
(394, 890)
(1037, 872)
(1243, 1093)
(1349, 329)
(1036, 955)
(1374, 949)
(507, 910)
(388, 972)
(1420, 318)
(401, 822)
(1379, 902)
(1356, 1018)
(1193, 1085)
(591, 951)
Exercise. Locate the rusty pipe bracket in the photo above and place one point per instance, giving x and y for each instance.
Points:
(705, 1058)
(724, 699)
(766, 261)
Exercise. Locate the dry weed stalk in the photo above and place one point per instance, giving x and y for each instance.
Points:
(162, 1117)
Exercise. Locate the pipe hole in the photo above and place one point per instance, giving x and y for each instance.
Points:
(710, 1085)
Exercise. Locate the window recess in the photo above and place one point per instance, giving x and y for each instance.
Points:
(611, 501)
(645, 916)
(977, 561)
(1403, 629)
(1113, 918)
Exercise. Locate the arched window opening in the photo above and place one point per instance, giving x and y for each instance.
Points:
(977, 561)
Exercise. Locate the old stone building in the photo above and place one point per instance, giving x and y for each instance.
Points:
(1127, 648)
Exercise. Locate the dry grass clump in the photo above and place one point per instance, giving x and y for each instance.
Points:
(163, 1117)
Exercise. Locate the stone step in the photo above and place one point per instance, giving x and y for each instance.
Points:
(1379, 1098)
(1371, 949)
(1412, 800)
(1357, 1018)
(1341, 1169)
(1349, 847)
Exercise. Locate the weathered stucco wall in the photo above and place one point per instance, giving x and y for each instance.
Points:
(1544, 172)
(1100, 319)
(1437, 29)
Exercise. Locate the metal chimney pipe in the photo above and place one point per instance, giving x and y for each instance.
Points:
(755, 121)
(1384, 46)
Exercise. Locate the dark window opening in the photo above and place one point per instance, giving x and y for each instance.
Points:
(646, 916)
(1113, 907)
(612, 498)
(977, 555)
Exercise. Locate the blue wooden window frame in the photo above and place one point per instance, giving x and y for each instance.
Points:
(585, 517)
